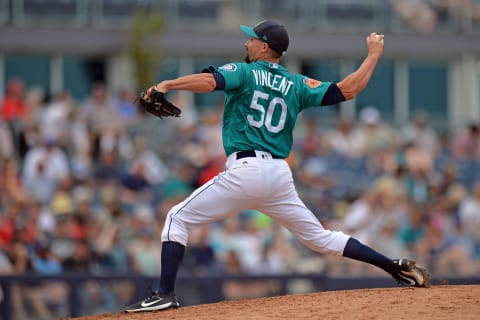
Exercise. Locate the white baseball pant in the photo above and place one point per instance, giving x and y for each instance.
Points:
(253, 183)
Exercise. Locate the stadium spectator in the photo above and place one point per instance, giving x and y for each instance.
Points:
(7, 149)
(386, 239)
(107, 170)
(35, 98)
(420, 133)
(155, 170)
(466, 143)
(417, 185)
(135, 188)
(19, 258)
(11, 187)
(48, 298)
(412, 231)
(146, 251)
(469, 214)
(343, 140)
(190, 114)
(55, 118)
(374, 135)
(101, 118)
(29, 133)
(44, 167)
(92, 293)
(417, 14)
(125, 106)
(13, 105)
(200, 258)
(360, 214)
(444, 244)
(308, 141)
(8, 226)
(314, 163)
(210, 132)
(13, 108)
(83, 198)
(29, 137)
(455, 9)
(80, 260)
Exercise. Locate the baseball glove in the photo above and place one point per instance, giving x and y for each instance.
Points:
(157, 104)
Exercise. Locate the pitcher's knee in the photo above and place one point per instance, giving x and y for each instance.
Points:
(175, 230)
(328, 242)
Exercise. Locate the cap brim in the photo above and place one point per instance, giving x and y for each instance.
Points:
(248, 31)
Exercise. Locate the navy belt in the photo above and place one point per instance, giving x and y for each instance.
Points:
(251, 154)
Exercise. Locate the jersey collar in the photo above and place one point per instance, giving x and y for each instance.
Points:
(271, 65)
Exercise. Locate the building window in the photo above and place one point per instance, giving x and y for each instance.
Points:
(428, 91)
(34, 70)
(379, 91)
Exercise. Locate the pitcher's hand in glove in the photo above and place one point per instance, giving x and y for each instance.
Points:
(156, 103)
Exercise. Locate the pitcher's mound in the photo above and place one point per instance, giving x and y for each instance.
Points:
(437, 302)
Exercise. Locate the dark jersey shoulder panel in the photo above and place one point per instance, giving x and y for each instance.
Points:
(333, 95)
(219, 79)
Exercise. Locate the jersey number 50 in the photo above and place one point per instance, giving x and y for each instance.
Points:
(266, 117)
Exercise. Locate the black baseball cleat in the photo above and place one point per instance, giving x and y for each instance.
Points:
(409, 274)
(155, 302)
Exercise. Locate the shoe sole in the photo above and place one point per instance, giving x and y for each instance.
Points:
(171, 305)
(427, 281)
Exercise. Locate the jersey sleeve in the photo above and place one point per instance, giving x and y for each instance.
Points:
(233, 73)
(313, 91)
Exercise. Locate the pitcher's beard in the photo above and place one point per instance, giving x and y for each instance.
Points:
(247, 59)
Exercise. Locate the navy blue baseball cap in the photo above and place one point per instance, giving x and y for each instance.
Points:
(274, 34)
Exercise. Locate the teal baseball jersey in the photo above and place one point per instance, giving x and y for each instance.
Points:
(262, 103)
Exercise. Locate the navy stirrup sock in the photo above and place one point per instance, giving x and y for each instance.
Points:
(172, 255)
(358, 251)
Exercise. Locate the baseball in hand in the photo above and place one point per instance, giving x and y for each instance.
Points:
(378, 36)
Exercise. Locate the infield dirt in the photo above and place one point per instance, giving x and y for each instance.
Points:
(437, 302)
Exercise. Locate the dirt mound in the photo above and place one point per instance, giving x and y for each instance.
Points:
(437, 302)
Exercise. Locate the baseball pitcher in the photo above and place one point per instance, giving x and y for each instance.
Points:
(262, 103)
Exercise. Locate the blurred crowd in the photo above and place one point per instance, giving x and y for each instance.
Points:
(85, 187)
(426, 16)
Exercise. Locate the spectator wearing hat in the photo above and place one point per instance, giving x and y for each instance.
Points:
(374, 135)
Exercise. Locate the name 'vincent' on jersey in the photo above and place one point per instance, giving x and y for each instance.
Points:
(275, 82)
